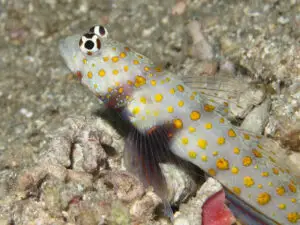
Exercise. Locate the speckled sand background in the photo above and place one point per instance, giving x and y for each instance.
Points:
(257, 40)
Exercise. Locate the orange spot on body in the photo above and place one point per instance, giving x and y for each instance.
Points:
(151, 130)
(263, 198)
(170, 109)
(221, 140)
(222, 164)
(139, 81)
(195, 115)
(292, 188)
(177, 123)
(280, 190)
(236, 151)
(231, 133)
(136, 62)
(248, 181)
(170, 135)
(123, 55)
(211, 172)
(192, 154)
(158, 97)
(247, 161)
(256, 153)
(246, 137)
(184, 140)
(236, 190)
(204, 158)
(209, 108)
(202, 143)
(281, 206)
(181, 103)
(143, 100)
(235, 170)
(192, 129)
(293, 217)
(180, 88)
(101, 73)
(115, 59)
(275, 171)
(208, 126)
(90, 75)
(264, 174)
(158, 69)
(115, 72)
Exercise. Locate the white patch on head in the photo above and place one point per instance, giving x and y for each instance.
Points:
(100, 31)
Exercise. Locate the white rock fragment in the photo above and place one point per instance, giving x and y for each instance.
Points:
(247, 100)
(271, 127)
(191, 213)
(283, 20)
(181, 185)
(257, 119)
(84, 7)
(144, 207)
(208, 189)
(26, 112)
(227, 66)
(180, 220)
(148, 32)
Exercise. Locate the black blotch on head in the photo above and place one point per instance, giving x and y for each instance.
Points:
(89, 45)
(89, 35)
(92, 30)
(102, 30)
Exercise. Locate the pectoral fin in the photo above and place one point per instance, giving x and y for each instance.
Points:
(142, 155)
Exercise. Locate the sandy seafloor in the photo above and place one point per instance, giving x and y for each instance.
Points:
(258, 40)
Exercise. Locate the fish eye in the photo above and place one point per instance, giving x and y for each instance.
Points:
(99, 30)
(90, 44)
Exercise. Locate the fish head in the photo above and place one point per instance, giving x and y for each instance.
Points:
(98, 61)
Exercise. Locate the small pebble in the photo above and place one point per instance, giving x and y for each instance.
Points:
(283, 20)
(179, 8)
(26, 112)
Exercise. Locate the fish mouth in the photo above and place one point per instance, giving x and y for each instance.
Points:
(63, 47)
(68, 48)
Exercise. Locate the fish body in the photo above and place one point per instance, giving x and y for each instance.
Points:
(151, 97)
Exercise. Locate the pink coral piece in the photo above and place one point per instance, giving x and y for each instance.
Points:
(215, 212)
